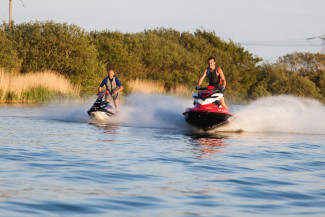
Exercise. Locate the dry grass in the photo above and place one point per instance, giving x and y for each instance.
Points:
(154, 87)
(140, 86)
(182, 90)
(21, 83)
(18, 85)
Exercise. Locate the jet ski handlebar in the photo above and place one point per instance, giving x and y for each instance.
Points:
(211, 88)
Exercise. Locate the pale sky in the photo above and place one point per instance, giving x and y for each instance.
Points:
(267, 28)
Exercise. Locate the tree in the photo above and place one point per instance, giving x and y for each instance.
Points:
(311, 66)
(8, 55)
(59, 47)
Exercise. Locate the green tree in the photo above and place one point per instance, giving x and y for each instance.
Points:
(275, 79)
(311, 66)
(8, 54)
(56, 46)
(115, 52)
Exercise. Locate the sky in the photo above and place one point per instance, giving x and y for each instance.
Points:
(266, 28)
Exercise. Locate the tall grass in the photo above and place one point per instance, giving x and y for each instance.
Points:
(34, 87)
(154, 87)
(141, 86)
(182, 90)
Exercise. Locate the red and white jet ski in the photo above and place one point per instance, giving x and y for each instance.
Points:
(207, 112)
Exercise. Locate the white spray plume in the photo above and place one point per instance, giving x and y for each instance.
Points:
(286, 114)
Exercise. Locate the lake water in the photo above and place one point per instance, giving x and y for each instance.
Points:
(148, 162)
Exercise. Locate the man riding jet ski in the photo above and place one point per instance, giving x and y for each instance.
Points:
(216, 78)
(207, 112)
(101, 109)
(210, 108)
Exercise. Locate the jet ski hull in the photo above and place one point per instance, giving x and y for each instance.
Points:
(102, 116)
(101, 113)
(206, 117)
(207, 112)
(101, 109)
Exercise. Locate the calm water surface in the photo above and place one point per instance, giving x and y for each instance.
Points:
(56, 162)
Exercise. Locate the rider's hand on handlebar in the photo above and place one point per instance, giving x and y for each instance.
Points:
(197, 87)
(223, 89)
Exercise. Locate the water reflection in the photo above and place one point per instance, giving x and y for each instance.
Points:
(208, 145)
(108, 129)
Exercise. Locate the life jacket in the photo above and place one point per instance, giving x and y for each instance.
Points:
(111, 85)
(214, 79)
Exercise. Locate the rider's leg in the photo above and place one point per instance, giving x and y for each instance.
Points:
(116, 104)
(106, 98)
(223, 104)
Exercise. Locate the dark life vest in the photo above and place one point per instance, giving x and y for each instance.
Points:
(214, 79)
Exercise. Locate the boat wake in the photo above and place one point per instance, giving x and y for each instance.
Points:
(136, 110)
(156, 111)
(287, 114)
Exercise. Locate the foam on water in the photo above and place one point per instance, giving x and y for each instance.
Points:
(159, 111)
(67, 111)
(138, 110)
(286, 114)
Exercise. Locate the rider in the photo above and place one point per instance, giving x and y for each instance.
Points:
(111, 82)
(216, 79)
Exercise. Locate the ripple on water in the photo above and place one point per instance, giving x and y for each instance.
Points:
(61, 168)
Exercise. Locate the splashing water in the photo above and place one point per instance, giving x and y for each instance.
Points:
(158, 111)
(137, 110)
(286, 114)
(69, 112)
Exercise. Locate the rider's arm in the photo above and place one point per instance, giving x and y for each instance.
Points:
(120, 87)
(202, 77)
(222, 76)
(101, 85)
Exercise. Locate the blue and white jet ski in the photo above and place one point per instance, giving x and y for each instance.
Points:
(101, 109)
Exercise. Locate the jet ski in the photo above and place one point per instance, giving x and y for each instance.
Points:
(101, 109)
(207, 112)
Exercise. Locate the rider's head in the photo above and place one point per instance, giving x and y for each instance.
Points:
(110, 73)
(211, 62)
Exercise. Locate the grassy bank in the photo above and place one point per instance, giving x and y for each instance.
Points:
(40, 87)
(34, 87)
